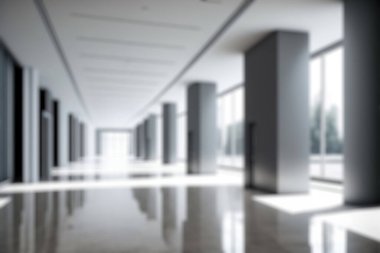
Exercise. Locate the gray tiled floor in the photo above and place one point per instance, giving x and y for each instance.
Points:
(192, 219)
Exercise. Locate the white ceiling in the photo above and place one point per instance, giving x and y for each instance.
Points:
(125, 52)
(224, 61)
(23, 31)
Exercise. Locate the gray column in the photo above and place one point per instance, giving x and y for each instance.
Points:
(83, 139)
(46, 140)
(98, 142)
(31, 125)
(202, 130)
(142, 141)
(277, 115)
(150, 135)
(135, 142)
(362, 99)
(75, 139)
(6, 115)
(145, 141)
(169, 133)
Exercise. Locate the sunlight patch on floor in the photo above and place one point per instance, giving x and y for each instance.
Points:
(365, 222)
(316, 200)
(4, 202)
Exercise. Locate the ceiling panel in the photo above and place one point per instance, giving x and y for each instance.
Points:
(124, 52)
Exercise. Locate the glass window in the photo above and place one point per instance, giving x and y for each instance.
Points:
(230, 128)
(239, 127)
(115, 144)
(334, 114)
(315, 116)
(326, 105)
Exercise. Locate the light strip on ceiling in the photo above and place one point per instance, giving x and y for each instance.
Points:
(130, 43)
(123, 72)
(122, 81)
(135, 21)
(126, 59)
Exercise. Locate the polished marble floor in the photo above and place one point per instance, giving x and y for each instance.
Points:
(97, 206)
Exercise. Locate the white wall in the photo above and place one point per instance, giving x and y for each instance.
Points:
(24, 33)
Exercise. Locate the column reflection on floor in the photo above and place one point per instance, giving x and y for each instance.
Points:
(171, 219)
(167, 219)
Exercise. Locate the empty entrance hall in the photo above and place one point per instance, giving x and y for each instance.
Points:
(189, 126)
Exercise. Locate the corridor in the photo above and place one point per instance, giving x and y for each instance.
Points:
(192, 126)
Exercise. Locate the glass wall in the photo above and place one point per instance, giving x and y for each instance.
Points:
(230, 128)
(115, 144)
(326, 105)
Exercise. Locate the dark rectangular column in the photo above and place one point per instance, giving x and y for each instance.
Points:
(152, 121)
(137, 142)
(46, 140)
(142, 141)
(77, 139)
(98, 136)
(71, 136)
(145, 140)
(150, 140)
(169, 133)
(6, 114)
(56, 130)
(3, 115)
(75, 136)
(83, 140)
(10, 75)
(276, 113)
(19, 174)
(362, 100)
(202, 130)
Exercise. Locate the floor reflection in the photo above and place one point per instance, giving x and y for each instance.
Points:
(165, 219)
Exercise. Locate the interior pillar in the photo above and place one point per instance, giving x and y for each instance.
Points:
(98, 142)
(56, 131)
(6, 115)
(202, 130)
(362, 99)
(150, 134)
(142, 140)
(46, 134)
(137, 141)
(30, 121)
(145, 140)
(277, 115)
(169, 133)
